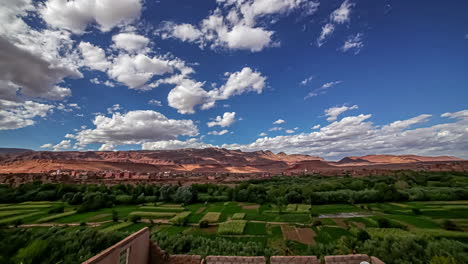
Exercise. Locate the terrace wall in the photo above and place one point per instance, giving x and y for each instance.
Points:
(143, 251)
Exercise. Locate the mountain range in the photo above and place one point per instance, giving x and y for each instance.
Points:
(208, 160)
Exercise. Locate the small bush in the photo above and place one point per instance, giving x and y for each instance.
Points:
(57, 209)
(362, 235)
(384, 223)
(134, 218)
(416, 211)
(450, 225)
(204, 224)
(317, 223)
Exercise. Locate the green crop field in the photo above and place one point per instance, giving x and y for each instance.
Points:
(234, 227)
(211, 217)
(238, 216)
(307, 220)
(55, 216)
(159, 215)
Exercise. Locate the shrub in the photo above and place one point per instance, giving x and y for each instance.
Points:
(57, 209)
(416, 211)
(115, 216)
(450, 225)
(317, 223)
(204, 224)
(383, 223)
(362, 235)
(134, 218)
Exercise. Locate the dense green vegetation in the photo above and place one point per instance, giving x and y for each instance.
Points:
(53, 245)
(406, 218)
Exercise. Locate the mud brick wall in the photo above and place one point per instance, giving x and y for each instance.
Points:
(294, 260)
(347, 259)
(234, 260)
(184, 259)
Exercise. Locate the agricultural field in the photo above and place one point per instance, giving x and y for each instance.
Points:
(290, 231)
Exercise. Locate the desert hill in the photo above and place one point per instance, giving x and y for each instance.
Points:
(392, 159)
(209, 160)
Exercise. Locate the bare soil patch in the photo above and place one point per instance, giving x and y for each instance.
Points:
(200, 210)
(301, 235)
(340, 222)
(251, 207)
(99, 216)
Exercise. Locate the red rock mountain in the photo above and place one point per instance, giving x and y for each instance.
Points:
(209, 160)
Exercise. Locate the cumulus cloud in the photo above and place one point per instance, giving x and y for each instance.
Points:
(114, 108)
(15, 115)
(76, 15)
(279, 121)
(130, 42)
(262, 134)
(340, 15)
(235, 24)
(226, 120)
(94, 57)
(316, 127)
(30, 75)
(333, 112)
(63, 145)
(134, 127)
(175, 144)
(188, 93)
(290, 131)
(322, 89)
(185, 32)
(353, 43)
(218, 133)
(356, 135)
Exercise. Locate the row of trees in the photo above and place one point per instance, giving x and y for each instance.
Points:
(421, 186)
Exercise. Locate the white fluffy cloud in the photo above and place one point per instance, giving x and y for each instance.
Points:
(218, 133)
(356, 135)
(135, 70)
(18, 115)
(226, 120)
(290, 131)
(76, 15)
(279, 121)
(262, 134)
(185, 32)
(30, 75)
(353, 43)
(130, 42)
(188, 93)
(94, 57)
(340, 15)
(175, 144)
(234, 24)
(247, 38)
(333, 112)
(63, 145)
(134, 127)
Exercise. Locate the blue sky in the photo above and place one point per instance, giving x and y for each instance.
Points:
(345, 77)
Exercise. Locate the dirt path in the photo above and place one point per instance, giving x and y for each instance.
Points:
(93, 224)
